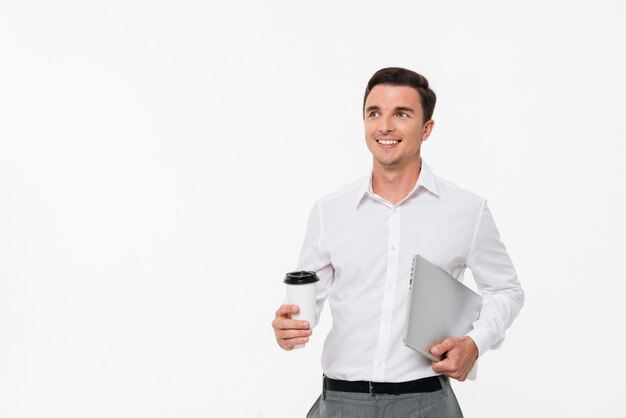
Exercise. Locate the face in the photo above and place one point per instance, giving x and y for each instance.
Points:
(394, 127)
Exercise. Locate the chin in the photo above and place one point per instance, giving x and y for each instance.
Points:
(388, 163)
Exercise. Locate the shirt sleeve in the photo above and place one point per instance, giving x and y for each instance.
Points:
(497, 283)
(314, 258)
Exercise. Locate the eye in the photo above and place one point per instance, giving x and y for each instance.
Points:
(374, 114)
(403, 114)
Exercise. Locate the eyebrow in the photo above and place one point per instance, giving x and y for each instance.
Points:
(397, 109)
(404, 109)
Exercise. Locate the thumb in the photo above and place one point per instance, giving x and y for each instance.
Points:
(442, 347)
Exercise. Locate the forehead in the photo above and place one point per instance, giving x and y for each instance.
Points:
(384, 95)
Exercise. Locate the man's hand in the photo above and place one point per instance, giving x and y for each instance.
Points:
(290, 332)
(460, 355)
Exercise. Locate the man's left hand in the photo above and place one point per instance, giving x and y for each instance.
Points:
(459, 357)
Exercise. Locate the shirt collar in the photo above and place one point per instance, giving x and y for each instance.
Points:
(426, 180)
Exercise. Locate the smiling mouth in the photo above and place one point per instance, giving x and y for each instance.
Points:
(388, 141)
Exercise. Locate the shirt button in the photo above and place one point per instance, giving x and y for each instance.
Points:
(390, 286)
(393, 248)
(379, 364)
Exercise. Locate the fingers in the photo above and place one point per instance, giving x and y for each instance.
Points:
(283, 318)
(286, 310)
(293, 333)
(287, 339)
(443, 347)
(445, 366)
(448, 367)
(291, 343)
(460, 357)
(290, 332)
(280, 323)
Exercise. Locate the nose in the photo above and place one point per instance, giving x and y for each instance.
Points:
(386, 125)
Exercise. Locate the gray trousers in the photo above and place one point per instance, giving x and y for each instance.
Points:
(439, 404)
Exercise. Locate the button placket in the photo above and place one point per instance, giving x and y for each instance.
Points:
(382, 348)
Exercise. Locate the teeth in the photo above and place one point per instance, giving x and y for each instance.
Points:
(387, 141)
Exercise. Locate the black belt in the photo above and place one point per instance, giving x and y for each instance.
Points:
(427, 384)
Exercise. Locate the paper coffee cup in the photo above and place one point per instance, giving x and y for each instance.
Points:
(301, 291)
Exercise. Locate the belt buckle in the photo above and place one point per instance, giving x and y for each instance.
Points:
(371, 387)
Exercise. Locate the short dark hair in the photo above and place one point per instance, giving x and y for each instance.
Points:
(396, 76)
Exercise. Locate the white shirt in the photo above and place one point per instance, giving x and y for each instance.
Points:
(361, 247)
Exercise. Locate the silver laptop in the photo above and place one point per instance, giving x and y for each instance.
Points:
(439, 307)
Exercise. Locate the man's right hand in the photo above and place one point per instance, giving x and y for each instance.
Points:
(290, 332)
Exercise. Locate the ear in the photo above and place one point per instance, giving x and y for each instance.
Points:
(428, 128)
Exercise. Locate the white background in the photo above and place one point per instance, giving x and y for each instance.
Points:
(158, 161)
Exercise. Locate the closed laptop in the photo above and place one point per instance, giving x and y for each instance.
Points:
(439, 307)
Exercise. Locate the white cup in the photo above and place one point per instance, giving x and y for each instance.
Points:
(301, 290)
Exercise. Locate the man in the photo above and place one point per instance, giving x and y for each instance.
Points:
(361, 241)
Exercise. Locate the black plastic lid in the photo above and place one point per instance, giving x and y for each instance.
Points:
(301, 277)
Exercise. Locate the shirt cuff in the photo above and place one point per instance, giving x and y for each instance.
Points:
(481, 339)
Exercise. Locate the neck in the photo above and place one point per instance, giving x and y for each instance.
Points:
(394, 184)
